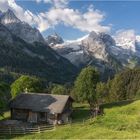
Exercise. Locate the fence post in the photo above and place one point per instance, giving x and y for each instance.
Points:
(83, 121)
(10, 130)
(54, 127)
(24, 130)
(38, 129)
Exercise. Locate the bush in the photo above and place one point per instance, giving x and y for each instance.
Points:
(59, 90)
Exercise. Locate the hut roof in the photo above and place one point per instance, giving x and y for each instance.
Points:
(40, 102)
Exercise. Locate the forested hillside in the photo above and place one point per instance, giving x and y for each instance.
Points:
(36, 59)
(125, 85)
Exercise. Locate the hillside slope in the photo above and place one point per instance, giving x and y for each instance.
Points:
(120, 121)
(37, 59)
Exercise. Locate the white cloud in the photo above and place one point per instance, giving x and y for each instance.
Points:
(87, 21)
(59, 14)
(122, 35)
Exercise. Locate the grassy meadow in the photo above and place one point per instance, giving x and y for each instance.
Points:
(120, 121)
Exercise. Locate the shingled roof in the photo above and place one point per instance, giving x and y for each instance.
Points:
(40, 102)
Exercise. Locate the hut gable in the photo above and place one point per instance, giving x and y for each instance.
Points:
(39, 102)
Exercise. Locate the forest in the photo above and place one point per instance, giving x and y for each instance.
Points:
(87, 87)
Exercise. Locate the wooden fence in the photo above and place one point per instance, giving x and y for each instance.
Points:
(25, 130)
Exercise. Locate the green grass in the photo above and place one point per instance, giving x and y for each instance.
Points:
(5, 115)
(120, 121)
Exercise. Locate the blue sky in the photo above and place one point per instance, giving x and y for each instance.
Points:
(106, 16)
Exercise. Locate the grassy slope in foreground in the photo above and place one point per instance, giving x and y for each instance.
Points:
(121, 120)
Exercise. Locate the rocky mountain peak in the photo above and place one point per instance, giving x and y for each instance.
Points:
(19, 28)
(54, 39)
(107, 39)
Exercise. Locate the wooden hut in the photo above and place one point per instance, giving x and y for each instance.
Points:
(38, 107)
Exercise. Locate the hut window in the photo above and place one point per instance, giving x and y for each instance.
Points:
(42, 115)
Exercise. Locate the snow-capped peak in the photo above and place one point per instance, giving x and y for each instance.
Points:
(126, 40)
(138, 38)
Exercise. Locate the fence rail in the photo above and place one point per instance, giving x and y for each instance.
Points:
(25, 130)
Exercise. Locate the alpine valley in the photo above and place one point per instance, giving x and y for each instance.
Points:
(23, 50)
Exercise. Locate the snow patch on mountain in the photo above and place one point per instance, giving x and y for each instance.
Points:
(126, 40)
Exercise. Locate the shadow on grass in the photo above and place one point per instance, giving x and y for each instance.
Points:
(79, 107)
(117, 104)
(4, 136)
(80, 113)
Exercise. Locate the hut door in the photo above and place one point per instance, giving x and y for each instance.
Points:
(32, 117)
(42, 116)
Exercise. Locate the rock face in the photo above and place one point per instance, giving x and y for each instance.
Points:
(54, 39)
(5, 35)
(19, 28)
(98, 45)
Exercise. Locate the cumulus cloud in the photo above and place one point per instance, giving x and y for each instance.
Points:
(60, 13)
(87, 21)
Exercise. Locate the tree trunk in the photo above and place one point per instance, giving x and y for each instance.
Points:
(95, 109)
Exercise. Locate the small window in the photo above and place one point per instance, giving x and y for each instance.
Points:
(42, 115)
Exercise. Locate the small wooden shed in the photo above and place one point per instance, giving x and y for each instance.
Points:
(41, 107)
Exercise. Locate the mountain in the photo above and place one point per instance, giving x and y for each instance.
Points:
(25, 44)
(22, 29)
(102, 51)
(20, 57)
(94, 45)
